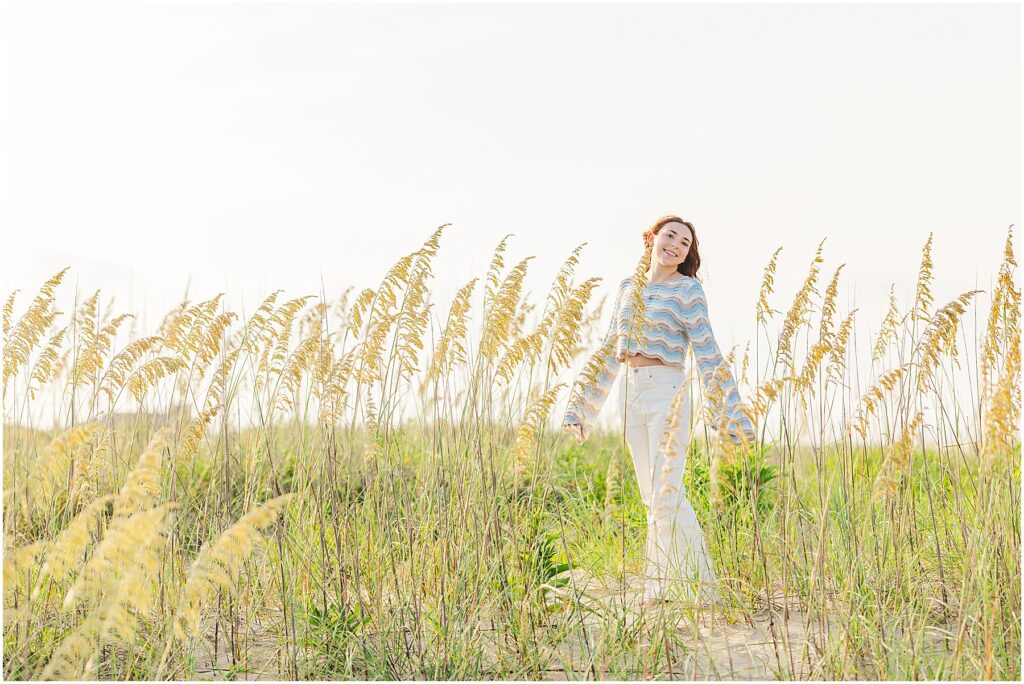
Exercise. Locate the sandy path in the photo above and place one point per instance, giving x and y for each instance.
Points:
(769, 646)
(604, 634)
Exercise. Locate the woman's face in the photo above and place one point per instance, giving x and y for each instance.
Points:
(671, 244)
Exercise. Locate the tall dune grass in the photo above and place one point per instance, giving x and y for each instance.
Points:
(232, 495)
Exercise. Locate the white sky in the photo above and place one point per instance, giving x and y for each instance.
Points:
(255, 147)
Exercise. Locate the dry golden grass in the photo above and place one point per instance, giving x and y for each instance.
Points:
(448, 545)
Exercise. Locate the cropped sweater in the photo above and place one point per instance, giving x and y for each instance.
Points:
(677, 311)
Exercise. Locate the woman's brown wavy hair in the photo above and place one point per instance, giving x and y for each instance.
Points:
(691, 264)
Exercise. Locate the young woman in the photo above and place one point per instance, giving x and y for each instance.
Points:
(676, 312)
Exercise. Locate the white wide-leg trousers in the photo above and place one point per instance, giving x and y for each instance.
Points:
(677, 562)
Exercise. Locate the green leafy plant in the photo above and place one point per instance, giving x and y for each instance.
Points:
(539, 561)
(745, 483)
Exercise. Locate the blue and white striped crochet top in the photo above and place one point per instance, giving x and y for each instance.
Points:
(677, 312)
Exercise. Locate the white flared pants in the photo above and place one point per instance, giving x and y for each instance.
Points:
(677, 562)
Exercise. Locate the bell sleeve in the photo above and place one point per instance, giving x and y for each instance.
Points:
(721, 395)
(588, 397)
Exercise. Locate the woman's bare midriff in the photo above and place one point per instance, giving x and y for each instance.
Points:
(639, 360)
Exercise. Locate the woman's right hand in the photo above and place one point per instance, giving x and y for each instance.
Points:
(576, 429)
